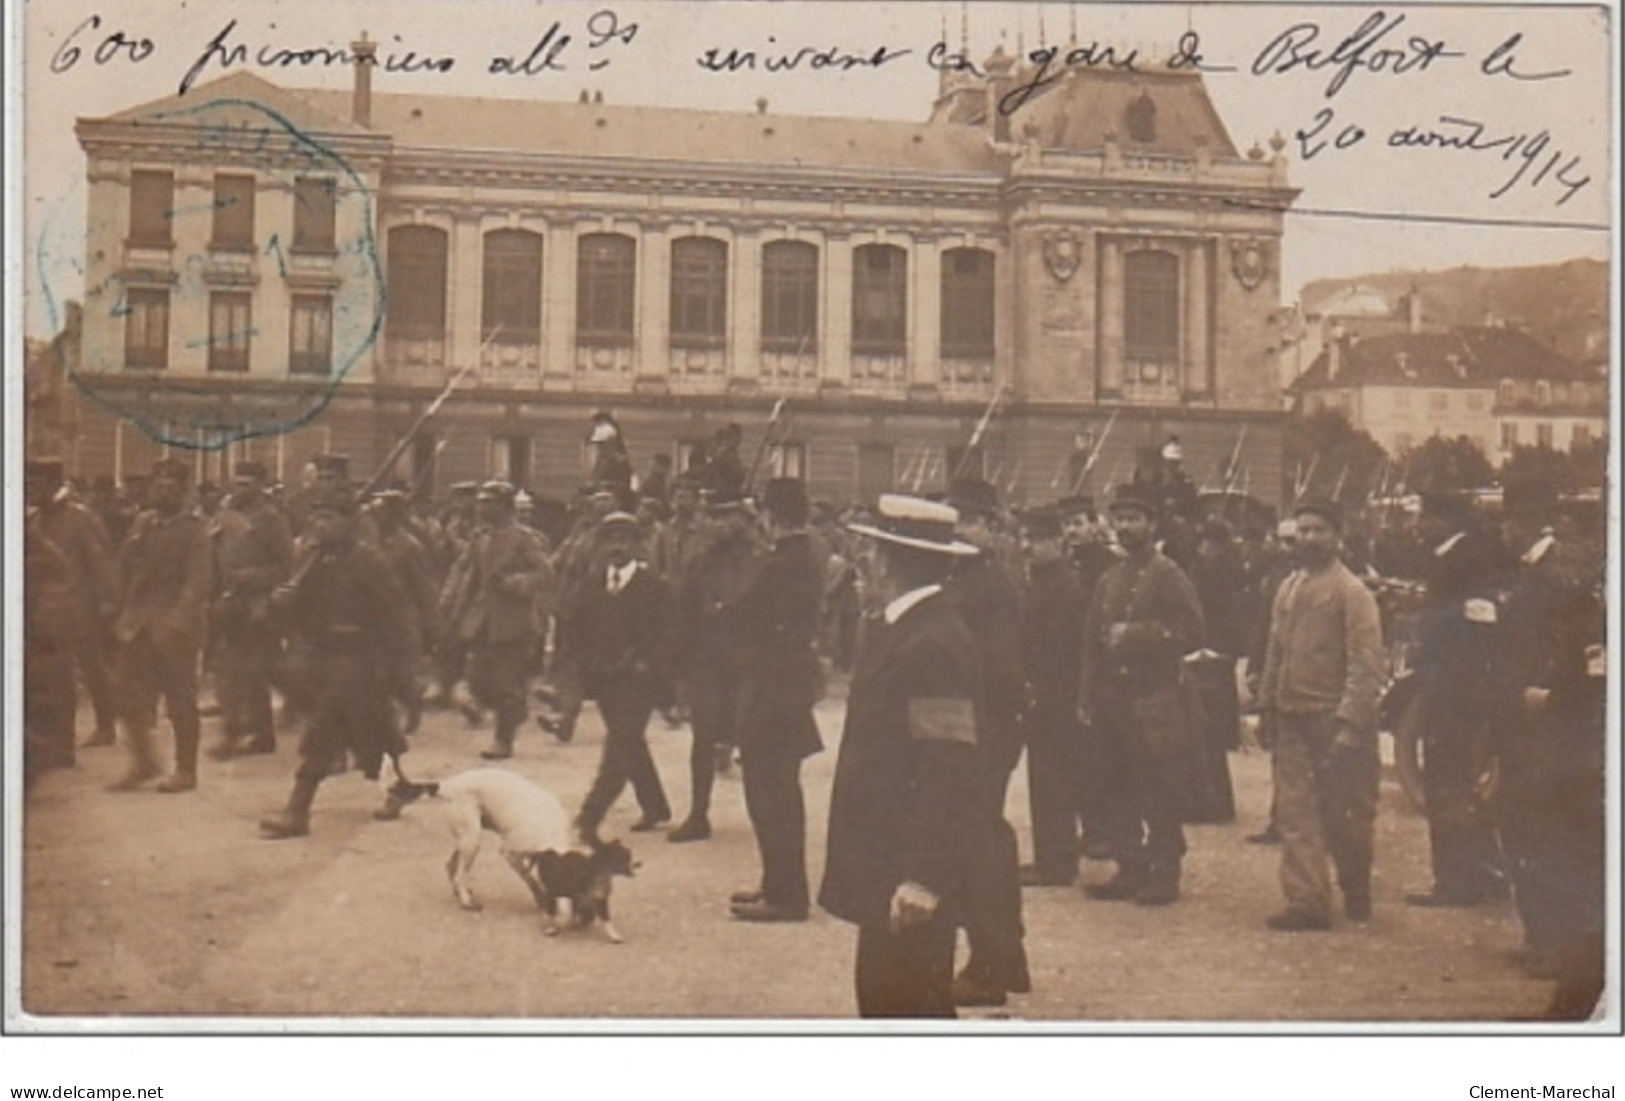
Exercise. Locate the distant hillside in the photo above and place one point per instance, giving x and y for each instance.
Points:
(1564, 305)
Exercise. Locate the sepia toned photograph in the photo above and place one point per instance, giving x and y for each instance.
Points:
(728, 517)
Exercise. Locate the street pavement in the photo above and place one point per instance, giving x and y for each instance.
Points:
(172, 906)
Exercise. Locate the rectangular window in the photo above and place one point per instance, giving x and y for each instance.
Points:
(789, 297)
(967, 304)
(787, 460)
(233, 213)
(146, 327)
(1509, 435)
(879, 300)
(699, 293)
(314, 210)
(1439, 400)
(1151, 307)
(1543, 434)
(511, 288)
(230, 325)
(310, 335)
(1580, 436)
(417, 283)
(152, 209)
(606, 282)
(510, 460)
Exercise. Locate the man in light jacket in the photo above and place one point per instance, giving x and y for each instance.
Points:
(1321, 686)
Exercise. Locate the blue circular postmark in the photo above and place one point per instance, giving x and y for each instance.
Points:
(233, 325)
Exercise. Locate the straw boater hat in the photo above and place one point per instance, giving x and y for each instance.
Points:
(917, 523)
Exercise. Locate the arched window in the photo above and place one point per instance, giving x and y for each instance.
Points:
(511, 287)
(417, 283)
(699, 292)
(606, 282)
(967, 304)
(789, 297)
(1151, 306)
(879, 300)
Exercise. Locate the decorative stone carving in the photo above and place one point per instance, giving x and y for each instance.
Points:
(1063, 254)
(1250, 259)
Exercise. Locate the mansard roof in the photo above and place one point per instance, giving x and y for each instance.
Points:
(1079, 112)
(1087, 107)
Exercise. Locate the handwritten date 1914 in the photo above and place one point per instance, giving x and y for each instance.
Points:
(1523, 151)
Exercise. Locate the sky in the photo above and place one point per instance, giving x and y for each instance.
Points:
(1536, 191)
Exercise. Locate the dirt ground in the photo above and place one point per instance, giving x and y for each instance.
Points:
(139, 905)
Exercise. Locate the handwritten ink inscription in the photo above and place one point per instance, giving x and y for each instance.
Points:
(1395, 46)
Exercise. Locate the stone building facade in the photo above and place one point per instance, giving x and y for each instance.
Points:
(275, 272)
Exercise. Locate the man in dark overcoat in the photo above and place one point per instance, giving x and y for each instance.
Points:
(776, 621)
(253, 554)
(908, 808)
(1143, 620)
(1053, 639)
(80, 607)
(624, 650)
(168, 578)
(491, 597)
(1456, 655)
(343, 606)
(990, 597)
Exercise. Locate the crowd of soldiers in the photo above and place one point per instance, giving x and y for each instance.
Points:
(1112, 645)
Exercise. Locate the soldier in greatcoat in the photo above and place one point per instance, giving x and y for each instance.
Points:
(168, 578)
(776, 622)
(908, 806)
(490, 596)
(81, 607)
(342, 604)
(720, 566)
(253, 554)
(1143, 620)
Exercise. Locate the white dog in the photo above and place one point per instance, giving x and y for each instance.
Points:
(536, 842)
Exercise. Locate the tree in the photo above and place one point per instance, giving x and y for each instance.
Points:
(1588, 460)
(1533, 478)
(1327, 456)
(1439, 463)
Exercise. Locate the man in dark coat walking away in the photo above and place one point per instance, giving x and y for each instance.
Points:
(624, 648)
(1142, 622)
(343, 605)
(168, 577)
(777, 624)
(907, 809)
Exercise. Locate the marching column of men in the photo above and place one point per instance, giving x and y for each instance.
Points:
(1078, 645)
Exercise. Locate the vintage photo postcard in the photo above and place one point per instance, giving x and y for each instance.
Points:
(814, 516)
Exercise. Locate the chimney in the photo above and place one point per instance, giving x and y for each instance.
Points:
(365, 54)
(1000, 68)
(1413, 310)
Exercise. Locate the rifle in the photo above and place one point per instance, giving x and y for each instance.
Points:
(761, 448)
(1337, 490)
(1232, 469)
(976, 436)
(1308, 478)
(424, 418)
(1094, 453)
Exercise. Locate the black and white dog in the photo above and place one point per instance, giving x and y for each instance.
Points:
(569, 884)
